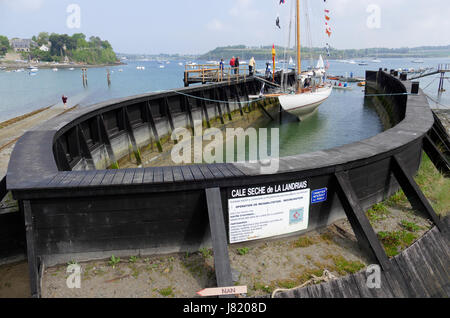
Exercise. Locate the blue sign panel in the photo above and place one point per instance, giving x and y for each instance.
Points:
(319, 195)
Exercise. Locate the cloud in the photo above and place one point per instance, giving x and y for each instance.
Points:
(23, 5)
(215, 25)
(243, 8)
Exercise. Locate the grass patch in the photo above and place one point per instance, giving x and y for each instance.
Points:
(243, 251)
(113, 261)
(206, 253)
(133, 259)
(344, 266)
(394, 242)
(434, 186)
(303, 242)
(377, 212)
(166, 292)
(410, 226)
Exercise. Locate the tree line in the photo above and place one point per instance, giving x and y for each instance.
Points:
(76, 48)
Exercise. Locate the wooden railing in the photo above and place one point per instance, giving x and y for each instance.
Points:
(209, 73)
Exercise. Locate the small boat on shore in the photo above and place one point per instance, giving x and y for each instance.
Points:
(344, 88)
(55, 69)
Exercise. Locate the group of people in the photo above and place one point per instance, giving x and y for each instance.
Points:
(235, 64)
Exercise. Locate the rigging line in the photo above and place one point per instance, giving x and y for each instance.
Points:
(438, 103)
(429, 84)
(215, 100)
(286, 65)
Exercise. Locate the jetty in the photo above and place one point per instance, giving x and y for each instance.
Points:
(211, 73)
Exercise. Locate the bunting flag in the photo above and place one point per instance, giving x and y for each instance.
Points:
(278, 23)
(282, 1)
(327, 19)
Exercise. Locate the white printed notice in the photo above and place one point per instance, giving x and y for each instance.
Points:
(266, 211)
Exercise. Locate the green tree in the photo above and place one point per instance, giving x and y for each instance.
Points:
(43, 38)
(4, 45)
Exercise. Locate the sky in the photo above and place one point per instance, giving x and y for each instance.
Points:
(197, 26)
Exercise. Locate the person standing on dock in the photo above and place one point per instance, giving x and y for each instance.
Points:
(64, 100)
(232, 63)
(221, 68)
(252, 66)
(236, 66)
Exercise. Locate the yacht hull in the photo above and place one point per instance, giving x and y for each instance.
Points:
(305, 104)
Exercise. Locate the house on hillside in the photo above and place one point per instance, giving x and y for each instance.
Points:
(22, 45)
(44, 48)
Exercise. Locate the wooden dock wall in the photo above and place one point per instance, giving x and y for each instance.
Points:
(88, 214)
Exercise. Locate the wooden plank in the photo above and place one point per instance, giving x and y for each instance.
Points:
(360, 224)
(315, 291)
(416, 287)
(152, 126)
(109, 176)
(187, 174)
(128, 177)
(65, 182)
(215, 171)
(57, 179)
(397, 282)
(78, 177)
(427, 252)
(430, 275)
(148, 175)
(206, 172)
(196, 173)
(301, 293)
(348, 287)
(118, 177)
(158, 175)
(224, 170)
(132, 138)
(434, 256)
(360, 281)
(177, 174)
(413, 192)
(33, 264)
(330, 290)
(97, 180)
(219, 238)
(438, 159)
(138, 176)
(87, 178)
(167, 174)
(234, 170)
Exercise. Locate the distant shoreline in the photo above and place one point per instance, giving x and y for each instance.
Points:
(9, 65)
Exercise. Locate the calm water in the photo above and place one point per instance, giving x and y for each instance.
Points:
(342, 119)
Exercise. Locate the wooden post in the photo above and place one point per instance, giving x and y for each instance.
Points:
(358, 220)
(152, 126)
(129, 128)
(33, 260)
(105, 138)
(219, 239)
(84, 148)
(412, 191)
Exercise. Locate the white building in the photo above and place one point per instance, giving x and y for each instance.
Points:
(44, 48)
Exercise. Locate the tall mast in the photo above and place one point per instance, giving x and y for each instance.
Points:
(299, 61)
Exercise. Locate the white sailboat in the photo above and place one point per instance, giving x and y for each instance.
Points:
(311, 90)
